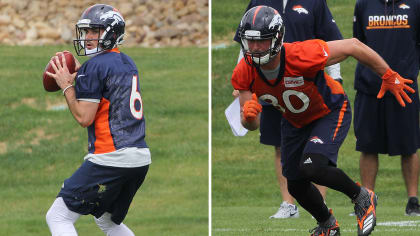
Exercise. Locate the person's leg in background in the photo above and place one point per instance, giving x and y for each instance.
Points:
(405, 141)
(285, 195)
(270, 130)
(410, 172)
(322, 190)
(368, 165)
(287, 209)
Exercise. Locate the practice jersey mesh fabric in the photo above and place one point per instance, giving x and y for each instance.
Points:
(112, 78)
(302, 91)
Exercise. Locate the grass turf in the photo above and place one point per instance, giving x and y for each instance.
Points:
(244, 186)
(41, 144)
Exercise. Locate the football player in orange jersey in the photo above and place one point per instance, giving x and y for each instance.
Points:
(291, 77)
(312, 19)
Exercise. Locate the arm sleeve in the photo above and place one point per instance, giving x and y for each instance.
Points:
(307, 57)
(241, 77)
(357, 23)
(89, 84)
(327, 30)
(251, 4)
(325, 26)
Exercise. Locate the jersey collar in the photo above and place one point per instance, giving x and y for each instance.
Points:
(281, 71)
(114, 50)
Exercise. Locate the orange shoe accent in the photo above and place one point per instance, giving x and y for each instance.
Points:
(322, 230)
(366, 215)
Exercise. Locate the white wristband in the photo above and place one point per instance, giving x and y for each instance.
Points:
(64, 90)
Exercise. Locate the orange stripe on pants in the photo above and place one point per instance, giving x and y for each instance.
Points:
(340, 118)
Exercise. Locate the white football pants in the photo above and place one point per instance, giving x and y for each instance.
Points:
(61, 221)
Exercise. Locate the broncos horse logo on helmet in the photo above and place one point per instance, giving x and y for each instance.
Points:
(99, 16)
(261, 23)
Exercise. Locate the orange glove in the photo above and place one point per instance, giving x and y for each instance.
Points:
(252, 108)
(393, 82)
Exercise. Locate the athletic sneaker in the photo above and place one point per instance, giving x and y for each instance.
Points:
(328, 228)
(286, 210)
(365, 210)
(413, 207)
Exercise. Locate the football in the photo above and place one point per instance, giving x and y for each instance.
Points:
(49, 82)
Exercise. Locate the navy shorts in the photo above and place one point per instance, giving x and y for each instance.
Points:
(95, 189)
(383, 126)
(270, 126)
(323, 136)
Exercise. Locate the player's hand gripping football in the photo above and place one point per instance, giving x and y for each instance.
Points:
(252, 108)
(62, 75)
(76, 62)
(393, 82)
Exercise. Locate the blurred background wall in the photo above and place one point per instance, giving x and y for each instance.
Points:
(149, 23)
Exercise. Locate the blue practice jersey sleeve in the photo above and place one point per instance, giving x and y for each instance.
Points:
(325, 27)
(89, 81)
(357, 27)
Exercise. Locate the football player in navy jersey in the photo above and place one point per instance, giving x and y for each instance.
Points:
(392, 29)
(304, 19)
(106, 99)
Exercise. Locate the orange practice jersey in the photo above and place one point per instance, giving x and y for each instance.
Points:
(302, 91)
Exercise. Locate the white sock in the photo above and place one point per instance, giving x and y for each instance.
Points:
(110, 228)
(61, 220)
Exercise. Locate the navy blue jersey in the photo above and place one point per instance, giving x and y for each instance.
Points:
(321, 24)
(392, 30)
(112, 78)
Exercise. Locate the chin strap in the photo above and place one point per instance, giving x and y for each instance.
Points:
(93, 52)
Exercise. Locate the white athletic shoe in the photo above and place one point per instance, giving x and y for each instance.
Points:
(286, 210)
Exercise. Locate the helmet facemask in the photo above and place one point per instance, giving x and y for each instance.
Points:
(80, 44)
(264, 57)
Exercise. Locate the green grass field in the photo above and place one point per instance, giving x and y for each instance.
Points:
(40, 146)
(244, 187)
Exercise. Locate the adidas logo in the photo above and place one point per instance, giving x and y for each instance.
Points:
(368, 223)
(397, 81)
(308, 161)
